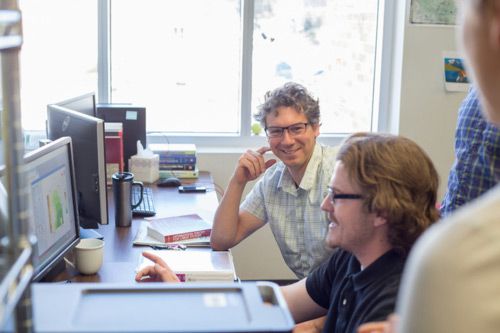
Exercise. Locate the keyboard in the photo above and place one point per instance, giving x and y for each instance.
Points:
(147, 206)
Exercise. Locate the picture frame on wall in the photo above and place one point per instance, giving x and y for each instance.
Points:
(434, 12)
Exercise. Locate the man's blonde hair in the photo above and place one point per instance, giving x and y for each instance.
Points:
(398, 181)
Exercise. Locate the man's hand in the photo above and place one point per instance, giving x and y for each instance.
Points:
(310, 326)
(388, 326)
(374, 327)
(159, 272)
(252, 164)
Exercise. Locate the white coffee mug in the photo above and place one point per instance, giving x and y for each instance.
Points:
(89, 253)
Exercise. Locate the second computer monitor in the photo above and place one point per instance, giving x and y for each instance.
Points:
(87, 134)
(84, 103)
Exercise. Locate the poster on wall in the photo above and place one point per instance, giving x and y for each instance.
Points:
(455, 75)
(442, 12)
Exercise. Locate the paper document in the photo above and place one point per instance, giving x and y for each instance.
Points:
(196, 265)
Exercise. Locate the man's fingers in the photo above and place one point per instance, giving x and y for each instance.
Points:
(154, 258)
(373, 327)
(145, 274)
(258, 157)
(167, 275)
(253, 164)
(268, 163)
(258, 160)
(247, 166)
(263, 150)
(147, 279)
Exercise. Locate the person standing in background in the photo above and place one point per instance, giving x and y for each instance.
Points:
(451, 280)
(477, 156)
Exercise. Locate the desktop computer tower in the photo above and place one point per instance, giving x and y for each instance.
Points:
(133, 119)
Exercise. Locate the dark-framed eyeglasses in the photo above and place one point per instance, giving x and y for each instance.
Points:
(334, 196)
(293, 130)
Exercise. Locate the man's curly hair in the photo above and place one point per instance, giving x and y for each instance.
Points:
(292, 95)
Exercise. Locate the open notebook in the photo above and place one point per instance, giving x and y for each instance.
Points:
(196, 265)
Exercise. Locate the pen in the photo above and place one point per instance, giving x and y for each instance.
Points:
(168, 247)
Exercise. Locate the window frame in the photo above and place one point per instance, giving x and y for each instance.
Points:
(381, 110)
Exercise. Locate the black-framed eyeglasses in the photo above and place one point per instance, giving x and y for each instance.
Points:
(334, 196)
(293, 130)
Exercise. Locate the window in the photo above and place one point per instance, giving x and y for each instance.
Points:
(179, 59)
(58, 58)
(201, 67)
(328, 46)
(183, 60)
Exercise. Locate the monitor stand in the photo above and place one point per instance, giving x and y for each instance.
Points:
(90, 233)
(88, 223)
(87, 227)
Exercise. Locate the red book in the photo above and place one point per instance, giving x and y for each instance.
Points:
(177, 228)
(114, 149)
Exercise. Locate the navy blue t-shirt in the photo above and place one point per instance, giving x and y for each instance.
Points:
(352, 296)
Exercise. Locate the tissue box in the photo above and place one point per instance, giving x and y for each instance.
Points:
(145, 169)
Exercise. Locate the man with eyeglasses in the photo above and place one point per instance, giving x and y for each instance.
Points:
(381, 198)
(289, 193)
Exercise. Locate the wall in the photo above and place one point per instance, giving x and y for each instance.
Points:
(426, 113)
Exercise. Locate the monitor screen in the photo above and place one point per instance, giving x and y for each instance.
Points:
(53, 206)
(84, 104)
(87, 135)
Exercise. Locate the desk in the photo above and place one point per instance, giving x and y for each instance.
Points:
(120, 256)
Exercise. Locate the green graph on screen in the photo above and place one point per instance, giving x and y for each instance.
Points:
(58, 210)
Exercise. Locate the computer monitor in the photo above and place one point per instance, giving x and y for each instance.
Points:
(52, 202)
(85, 104)
(87, 135)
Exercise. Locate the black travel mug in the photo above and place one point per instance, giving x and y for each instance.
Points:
(122, 194)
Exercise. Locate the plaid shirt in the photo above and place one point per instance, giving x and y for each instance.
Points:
(477, 156)
(294, 214)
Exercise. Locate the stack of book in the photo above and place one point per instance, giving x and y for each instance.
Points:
(175, 229)
(176, 160)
